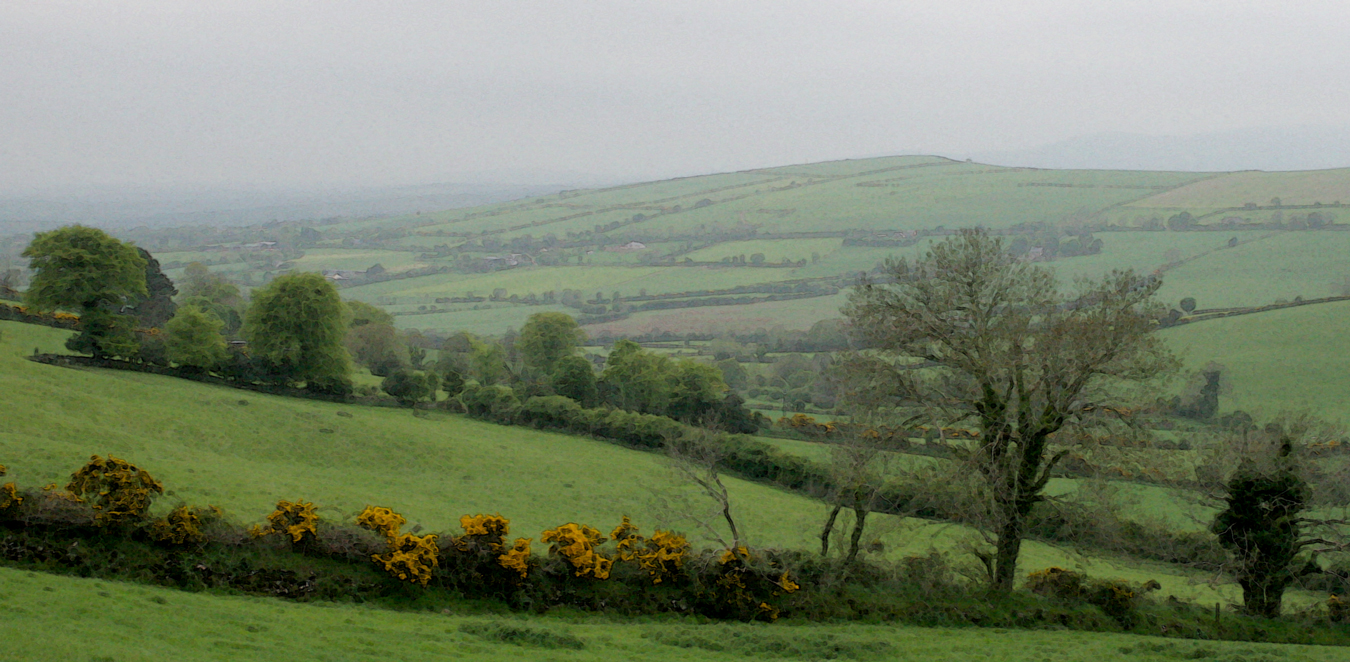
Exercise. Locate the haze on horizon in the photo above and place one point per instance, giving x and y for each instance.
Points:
(244, 93)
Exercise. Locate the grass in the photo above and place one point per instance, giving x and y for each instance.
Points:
(1293, 358)
(209, 447)
(84, 619)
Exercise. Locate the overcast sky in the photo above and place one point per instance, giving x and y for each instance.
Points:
(235, 92)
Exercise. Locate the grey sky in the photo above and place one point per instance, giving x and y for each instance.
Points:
(236, 92)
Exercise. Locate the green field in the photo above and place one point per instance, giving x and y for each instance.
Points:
(209, 447)
(1293, 358)
(103, 620)
(710, 217)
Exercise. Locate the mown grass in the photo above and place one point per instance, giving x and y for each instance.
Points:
(56, 618)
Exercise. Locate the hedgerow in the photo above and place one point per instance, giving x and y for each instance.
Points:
(370, 558)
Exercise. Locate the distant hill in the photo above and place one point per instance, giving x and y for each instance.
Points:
(1300, 148)
(770, 247)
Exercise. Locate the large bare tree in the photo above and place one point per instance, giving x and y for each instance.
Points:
(973, 336)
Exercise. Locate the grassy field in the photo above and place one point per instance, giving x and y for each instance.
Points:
(103, 620)
(1293, 358)
(243, 451)
(857, 197)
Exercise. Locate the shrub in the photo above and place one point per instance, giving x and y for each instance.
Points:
(517, 557)
(495, 403)
(577, 544)
(123, 491)
(411, 558)
(183, 525)
(297, 520)
(9, 495)
(381, 520)
(661, 556)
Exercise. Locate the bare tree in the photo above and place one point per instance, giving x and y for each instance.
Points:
(984, 339)
(696, 456)
(858, 472)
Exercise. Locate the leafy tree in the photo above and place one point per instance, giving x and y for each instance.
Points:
(452, 382)
(84, 269)
(198, 281)
(696, 390)
(757, 259)
(575, 378)
(192, 338)
(1009, 353)
(410, 388)
(1261, 527)
(733, 373)
(362, 313)
(548, 337)
(1188, 304)
(157, 307)
(377, 346)
(295, 329)
(635, 379)
(487, 362)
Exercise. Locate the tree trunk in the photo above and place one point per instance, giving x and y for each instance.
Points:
(860, 519)
(825, 533)
(1008, 548)
(1263, 596)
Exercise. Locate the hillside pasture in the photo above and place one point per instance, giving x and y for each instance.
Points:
(106, 620)
(1288, 359)
(243, 451)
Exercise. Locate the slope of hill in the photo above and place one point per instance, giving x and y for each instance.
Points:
(243, 450)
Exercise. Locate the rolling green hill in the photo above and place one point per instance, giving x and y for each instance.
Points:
(818, 224)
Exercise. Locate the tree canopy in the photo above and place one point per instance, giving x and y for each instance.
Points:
(970, 334)
(548, 337)
(296, 326)
(83, 268)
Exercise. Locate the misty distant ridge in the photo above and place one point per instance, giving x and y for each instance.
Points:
(1307, 148)
(1300, 148)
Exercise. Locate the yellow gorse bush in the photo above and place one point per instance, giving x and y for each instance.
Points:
(120, 491)
(662, 555)
(411, 558)
(517, 558)
(739, 554)
(494, 526)
(297, 520)
(382, 521)
(9, 494)
(577, 543)
(182, 525)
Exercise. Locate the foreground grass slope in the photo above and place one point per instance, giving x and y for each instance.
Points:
(102, 620)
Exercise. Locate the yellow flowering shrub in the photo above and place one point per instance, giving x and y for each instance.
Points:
(297, 520)
(382, 521)
(493, 526)
(121, 492)
(517, 558)
(662, 555)
(183, 525)
(739, 554)
(577, 543)
(9, 494)
(1338, 609)
(411, 558)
